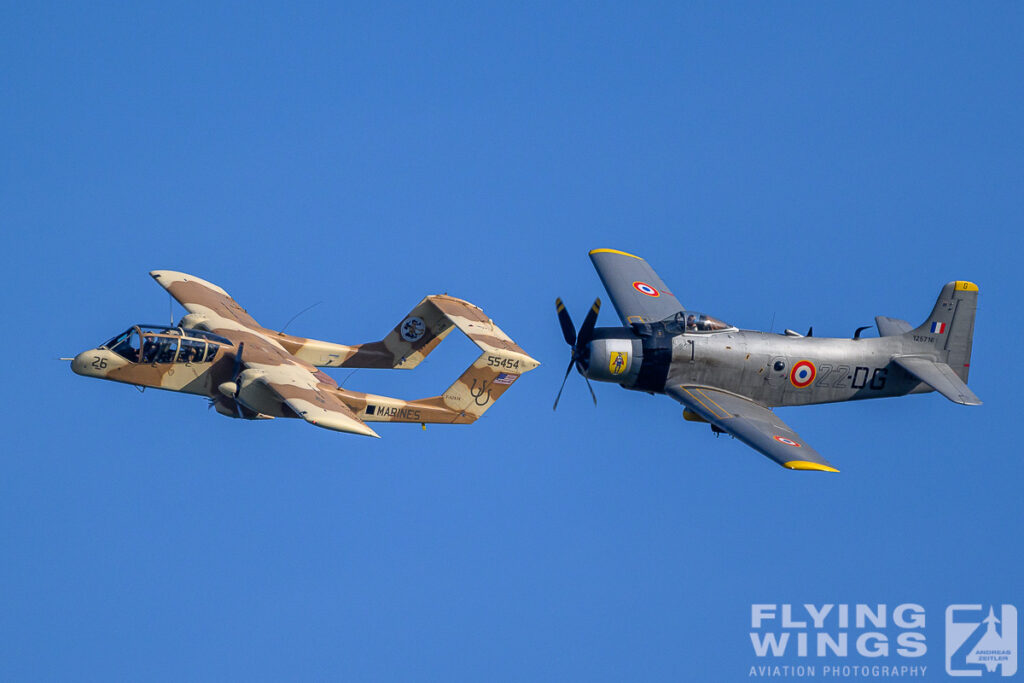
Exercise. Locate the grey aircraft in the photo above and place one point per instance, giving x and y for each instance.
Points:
(732, 378)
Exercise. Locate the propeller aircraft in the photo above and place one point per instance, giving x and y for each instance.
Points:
(247, 371)
(732, 378)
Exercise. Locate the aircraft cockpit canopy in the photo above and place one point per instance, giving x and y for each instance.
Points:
(162, 344)
(694, 321)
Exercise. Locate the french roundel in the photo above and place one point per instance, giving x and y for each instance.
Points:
(788, 442)
(645, 288)
(802, 374)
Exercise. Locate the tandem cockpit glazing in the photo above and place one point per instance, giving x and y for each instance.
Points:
(161, 344)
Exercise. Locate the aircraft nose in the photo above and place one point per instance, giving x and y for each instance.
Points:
(80, 365)
(584, 359)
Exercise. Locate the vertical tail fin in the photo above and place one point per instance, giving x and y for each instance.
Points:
(950, 327)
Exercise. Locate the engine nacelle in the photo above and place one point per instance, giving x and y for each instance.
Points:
(615, 360)
(249, 396)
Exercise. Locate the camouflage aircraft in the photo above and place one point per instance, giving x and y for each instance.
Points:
(247, 371)
(731, 378)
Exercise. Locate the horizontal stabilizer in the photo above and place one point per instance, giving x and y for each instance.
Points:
(891, 327)
(939, 377)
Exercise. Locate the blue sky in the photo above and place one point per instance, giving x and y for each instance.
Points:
(807, 163)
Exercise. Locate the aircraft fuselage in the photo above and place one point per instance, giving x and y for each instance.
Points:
(772, 369)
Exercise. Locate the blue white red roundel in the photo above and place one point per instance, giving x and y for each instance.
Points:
(788, 442)
(645, 288)
(802, 374)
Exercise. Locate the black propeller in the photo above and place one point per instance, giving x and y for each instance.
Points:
(234, 377)
(578, 342)
(235, 405)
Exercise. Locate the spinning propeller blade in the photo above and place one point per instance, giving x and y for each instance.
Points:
(572, 361)
(234, 377)
(568, 329)
(577, 342)
(587, 328)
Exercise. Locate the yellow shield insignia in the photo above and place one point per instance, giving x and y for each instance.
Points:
(617, 363)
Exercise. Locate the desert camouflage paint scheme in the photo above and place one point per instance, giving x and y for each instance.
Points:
(731, 378)
(219, 351)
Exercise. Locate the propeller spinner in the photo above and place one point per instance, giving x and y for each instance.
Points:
(578, 342)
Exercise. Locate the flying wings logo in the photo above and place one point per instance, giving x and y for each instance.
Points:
(879, 641)
(981, 640)
(838, 640)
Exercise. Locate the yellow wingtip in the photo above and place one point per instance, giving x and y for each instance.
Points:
(613, 251)
(807, 465)
(965, 286)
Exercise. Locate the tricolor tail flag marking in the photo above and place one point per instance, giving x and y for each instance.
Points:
(938, 328)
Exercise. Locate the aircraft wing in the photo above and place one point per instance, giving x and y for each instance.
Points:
(753, 424)
(288, 378)
(297, 388)
(199, 296)
(638, 294)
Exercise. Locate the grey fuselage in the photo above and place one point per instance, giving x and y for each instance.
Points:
(758, 365)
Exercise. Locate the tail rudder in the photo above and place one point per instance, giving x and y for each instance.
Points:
(950, 327)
